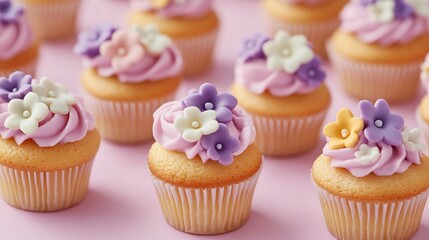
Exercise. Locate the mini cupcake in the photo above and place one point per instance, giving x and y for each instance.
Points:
(378, 49)
(280, 83)
(204, 162)
(423, 109)
(48, 144)
(53, 19)
(18, 48)
(192, 24)
(130, 73)
(372, 179)
(316, 19)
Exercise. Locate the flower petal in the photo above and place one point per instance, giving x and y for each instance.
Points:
(39, 111)
(192, 135)
(210, 127)
(29, 126)
(16, 106)
(192, 113)
(59, 106)
(13, 122)
(181, 124)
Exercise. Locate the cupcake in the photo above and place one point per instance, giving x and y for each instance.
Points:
(422, 114)
(129, 74)
(48, 144)
(316, 19)
(204, 164)
(53, 19)
(18, 48)
(372, 179)
(378, 49)
(280, 83)
(192, 24)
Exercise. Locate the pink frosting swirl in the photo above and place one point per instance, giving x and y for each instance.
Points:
(149, 68)
(55, 128)
(307, 2)
(185, 8)
(257, 78)
(355, 19)
(241, 127)
(393, 159)
(15, 37)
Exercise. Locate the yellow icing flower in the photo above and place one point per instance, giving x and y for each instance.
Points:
(160, 3)
(345, 131)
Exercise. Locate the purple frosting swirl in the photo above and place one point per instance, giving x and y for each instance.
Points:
(15, 87)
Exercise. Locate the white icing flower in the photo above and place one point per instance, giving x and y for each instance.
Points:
(411, 140)
(382, 10)
(194, 124)
(54, 95)
(26, 114)
(367, 155)
(287, 52)
(420, 6)
(150, 37)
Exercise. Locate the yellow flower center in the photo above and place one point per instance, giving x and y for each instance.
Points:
(345, 133)
(195, 124)
(51, 94)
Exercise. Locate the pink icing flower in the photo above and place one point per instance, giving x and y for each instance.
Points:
(124, 49)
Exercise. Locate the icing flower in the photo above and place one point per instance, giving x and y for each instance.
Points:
(402, 10)
(89, 42)
(367, 155)
(220, 145)
(15, 87)
(9, 12)
(26, 114)
(154, 42)
(310, 72)
(252, 48)
(380, 124)
(194, 124)
(54, 95)
(420, 6)
(411, 140)
(124, 49)
(207, 98)
(287, 52)
(382, 10)
(344, 132)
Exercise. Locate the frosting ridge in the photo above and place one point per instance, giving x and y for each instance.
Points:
(174, 8)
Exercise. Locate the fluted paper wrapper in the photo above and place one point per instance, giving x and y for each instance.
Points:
(289, 135)
(392, 82)
(206, 211)
(348, 219)
(124, 121)
(28, 68)
(197, 52)
(45, 191)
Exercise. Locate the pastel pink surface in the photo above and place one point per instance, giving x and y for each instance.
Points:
(121, 202)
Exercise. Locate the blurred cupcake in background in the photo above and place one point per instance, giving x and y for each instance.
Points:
(129, 74)
(422, 113)
(379, 47)
(53, 19)
(316, 19)
(18, 48)
(192, 24)
(280, 83)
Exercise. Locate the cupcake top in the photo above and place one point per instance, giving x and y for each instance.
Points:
(133, 55)
(306, 2)
(376, 142)
(206, 123)
(424, 76)
(174, 8)
(283, 66)
(15, 32)
(42, 111)
(386, 22)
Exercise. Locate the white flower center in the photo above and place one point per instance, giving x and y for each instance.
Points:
(26, 114)
(219, 146)
(345, 133)
(52, 94)
(208, 106)
(195, 124)
(14, 89)
(122, 51)
(378, 123)
(286, 52)
(311, 73)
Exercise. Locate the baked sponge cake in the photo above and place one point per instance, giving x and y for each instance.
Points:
(372, 178)
(204, 162)
(47, 146)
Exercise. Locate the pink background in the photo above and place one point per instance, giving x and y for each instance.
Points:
(121, 203)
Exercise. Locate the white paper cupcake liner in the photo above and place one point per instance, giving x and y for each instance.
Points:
(393, 82)
(124, 121)
(348, 219)
(206, 211)
(28, 68)
(289, 135)
(45, 191)
(53, 19)
(197, 52)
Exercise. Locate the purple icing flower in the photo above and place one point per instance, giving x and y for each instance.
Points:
(252, 47)
(89, 42)
(402, 10)
(310, 72)
(9, 12)
(207, 98)
(16, 87)
(380, 124)
(220, 145)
